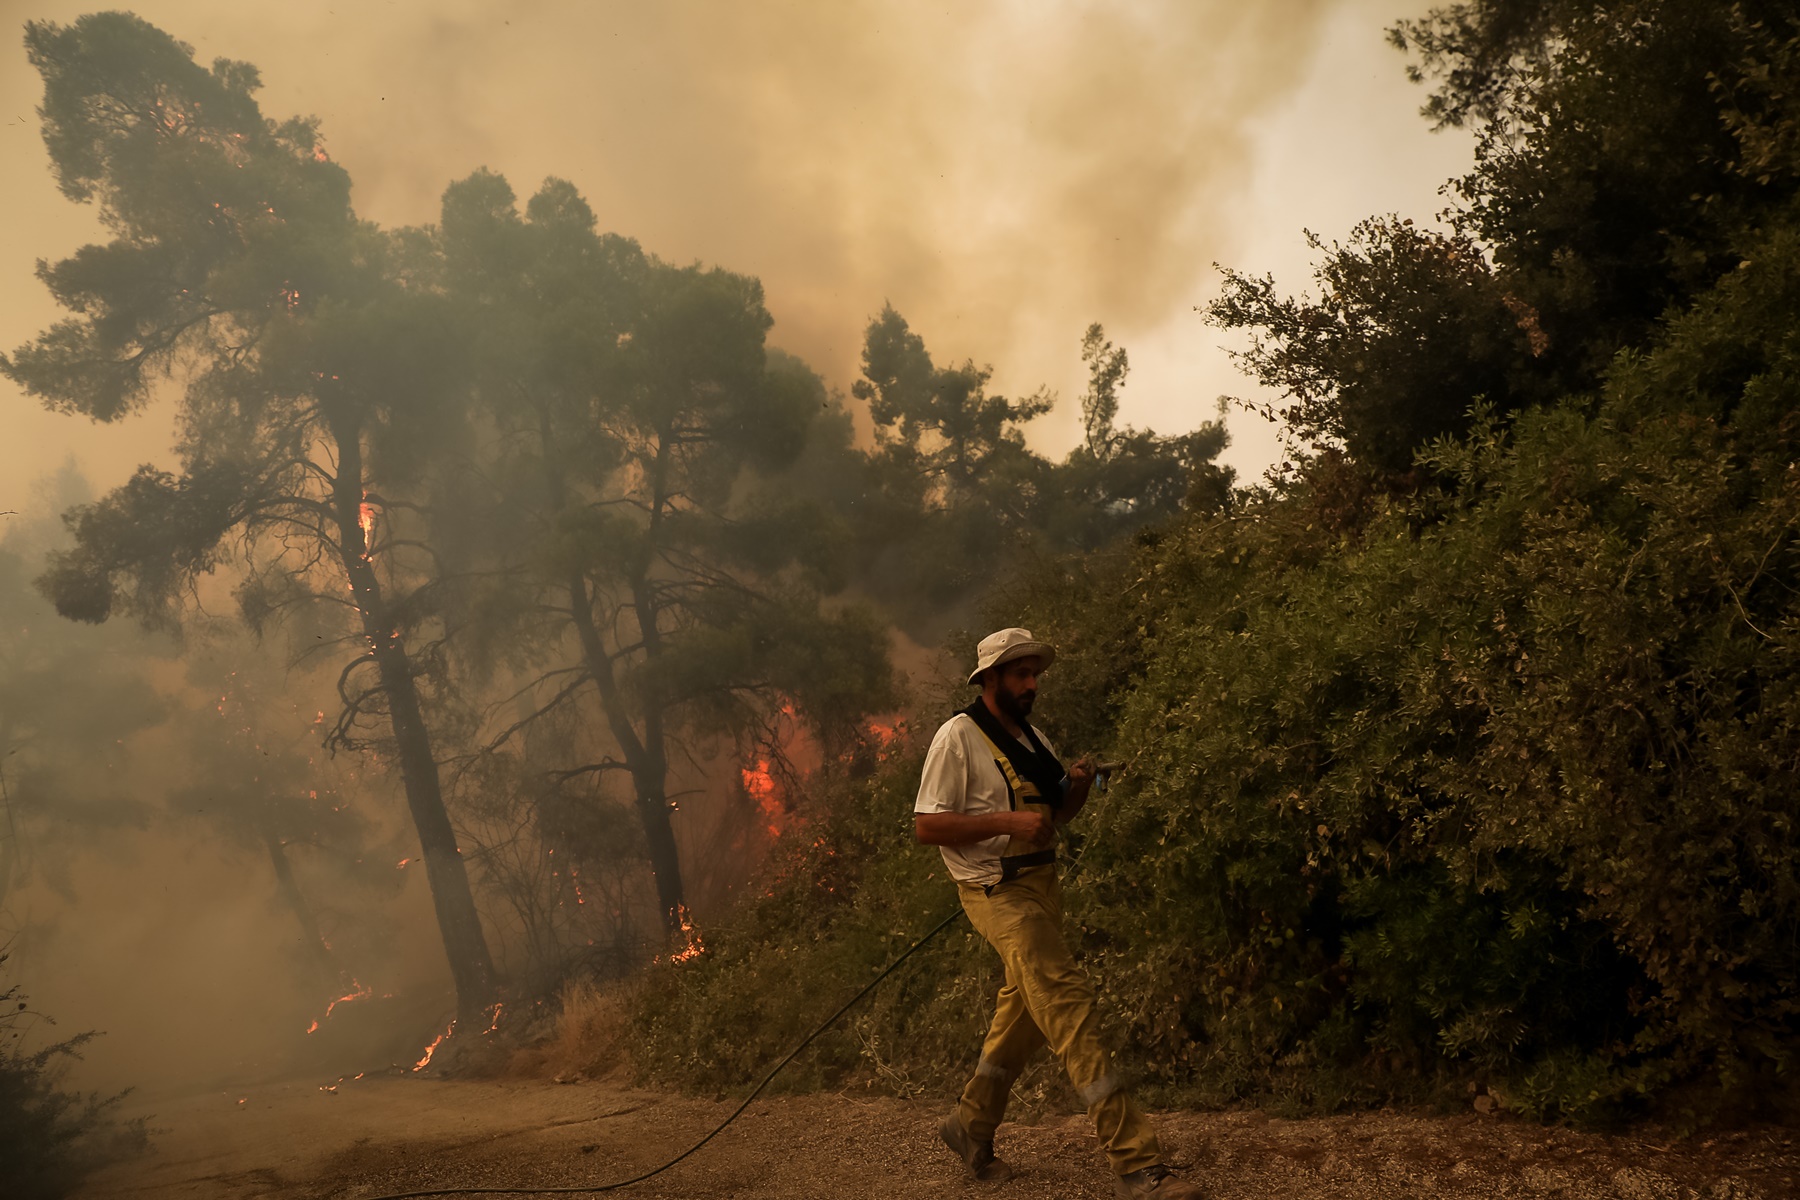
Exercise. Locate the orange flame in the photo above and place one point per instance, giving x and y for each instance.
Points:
(365, 517)
(885, 736)
(690, 932)
(760, 786)
(432, 1049)
(759, 782)
(495, 1023)
(358, 991)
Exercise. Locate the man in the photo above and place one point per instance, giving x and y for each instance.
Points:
(991, 797)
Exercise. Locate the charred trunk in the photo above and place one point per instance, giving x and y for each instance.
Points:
(659, 839)
(471, 966)
(643, 758)
(318, 953)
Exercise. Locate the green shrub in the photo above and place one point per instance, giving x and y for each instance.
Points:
(51, 1138)
(1491, 780)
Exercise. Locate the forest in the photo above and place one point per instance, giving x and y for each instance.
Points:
(1459, 752)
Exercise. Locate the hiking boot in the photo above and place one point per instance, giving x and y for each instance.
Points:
(979, 1156)
(1155, 1183)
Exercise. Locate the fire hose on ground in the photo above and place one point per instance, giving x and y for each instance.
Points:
(1102, 773)
(717, 1129)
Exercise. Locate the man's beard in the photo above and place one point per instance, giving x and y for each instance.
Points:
(1015, 706)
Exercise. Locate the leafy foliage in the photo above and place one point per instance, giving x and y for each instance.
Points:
(50, 1138)
(1466, 751)
(314, 365)
(953, 499)
(1409, 328)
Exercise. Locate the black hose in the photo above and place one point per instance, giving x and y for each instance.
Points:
(607, 1187)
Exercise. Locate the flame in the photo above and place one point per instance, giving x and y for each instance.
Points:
(760, 786)
(358, 991)
(690, 932)
(365, 517)
(884, 736)
(495, 1023)
(432, 1049)
(759, 783)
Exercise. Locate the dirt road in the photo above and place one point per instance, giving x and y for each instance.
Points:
(385, 1134)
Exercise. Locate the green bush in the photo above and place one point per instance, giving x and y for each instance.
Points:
(1491, 780)
(1477, 771)
(51, 1138)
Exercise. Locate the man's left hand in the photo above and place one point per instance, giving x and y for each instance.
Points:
(1081, 772)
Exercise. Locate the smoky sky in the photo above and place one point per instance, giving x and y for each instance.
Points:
(1003, 173)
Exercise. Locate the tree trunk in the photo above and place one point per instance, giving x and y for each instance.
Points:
(289, 890)
(659, 837)
(645, 757)
(646, 760)
(471, 967)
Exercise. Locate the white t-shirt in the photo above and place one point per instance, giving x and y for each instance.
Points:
(960, 776)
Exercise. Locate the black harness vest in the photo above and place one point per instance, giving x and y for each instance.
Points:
(1034, 780)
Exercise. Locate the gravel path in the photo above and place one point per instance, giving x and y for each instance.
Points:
(383, 1134)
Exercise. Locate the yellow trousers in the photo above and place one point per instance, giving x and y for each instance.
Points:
(1046, 1000)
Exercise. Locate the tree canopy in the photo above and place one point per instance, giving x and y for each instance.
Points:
(1460, 757)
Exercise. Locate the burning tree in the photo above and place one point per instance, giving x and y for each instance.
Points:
(653, 554)
(314, 365)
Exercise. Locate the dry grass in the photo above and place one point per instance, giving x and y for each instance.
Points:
(587, 1041)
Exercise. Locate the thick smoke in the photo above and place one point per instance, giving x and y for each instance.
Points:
(1003, 174)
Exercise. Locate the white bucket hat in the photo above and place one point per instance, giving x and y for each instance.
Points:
(1004, 645)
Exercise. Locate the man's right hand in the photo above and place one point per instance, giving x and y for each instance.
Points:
(1030, 826)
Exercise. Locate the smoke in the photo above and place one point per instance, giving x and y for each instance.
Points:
(1002, 173)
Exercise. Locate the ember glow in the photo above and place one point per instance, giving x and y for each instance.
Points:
(432, 1049)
